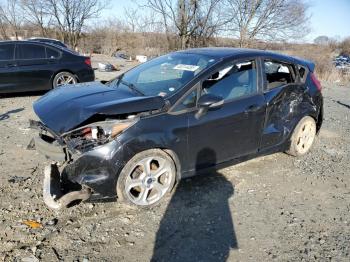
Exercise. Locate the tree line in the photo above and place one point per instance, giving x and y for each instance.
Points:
(178, 23)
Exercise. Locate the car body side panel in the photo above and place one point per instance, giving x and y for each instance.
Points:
(35, 74)
(286, 105)
(170, 134)
(97, 169)
(8, 76)
(8, 69)
(228, 132)
(75, 65)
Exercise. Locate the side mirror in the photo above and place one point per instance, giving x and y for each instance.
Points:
(208, 101)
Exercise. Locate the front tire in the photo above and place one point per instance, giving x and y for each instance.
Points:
(147, 178)
(303, 137)
(64, 78)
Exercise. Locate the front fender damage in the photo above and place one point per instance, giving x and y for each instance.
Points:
(52, 193)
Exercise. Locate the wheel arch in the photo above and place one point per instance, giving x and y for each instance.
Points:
(177, 163)
(319, 119)
(173, 155)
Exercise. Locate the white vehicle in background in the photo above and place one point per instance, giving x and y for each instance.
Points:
(141, 58)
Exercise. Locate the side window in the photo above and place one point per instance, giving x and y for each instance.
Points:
(50, 53)
(302, 73)
(30, 51)
(278, 74)
(7, 51)
(233, 81)
(188, 102)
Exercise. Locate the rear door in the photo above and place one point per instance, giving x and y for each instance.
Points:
(34, 69)
(284, 95)
(8, 68)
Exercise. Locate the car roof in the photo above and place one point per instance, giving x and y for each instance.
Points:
(61, 48)
(230, 52)
(43, 38)
(28, 41)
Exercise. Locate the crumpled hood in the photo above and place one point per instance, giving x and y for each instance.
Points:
(64, 108)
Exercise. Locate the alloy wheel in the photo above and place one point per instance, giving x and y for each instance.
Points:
(149, 181)
(305, 137)
(65, 79)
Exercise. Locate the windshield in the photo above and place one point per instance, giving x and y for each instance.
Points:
(164, 75)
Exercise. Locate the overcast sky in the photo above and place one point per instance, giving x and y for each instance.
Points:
(328, 17)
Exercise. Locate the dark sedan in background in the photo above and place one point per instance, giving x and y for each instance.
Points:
(33, 66)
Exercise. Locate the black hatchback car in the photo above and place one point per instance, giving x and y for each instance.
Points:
(172, 117)
(33, 66)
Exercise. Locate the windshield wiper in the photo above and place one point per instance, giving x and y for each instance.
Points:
(131, 86)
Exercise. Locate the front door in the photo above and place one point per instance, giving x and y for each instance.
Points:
(233, 129)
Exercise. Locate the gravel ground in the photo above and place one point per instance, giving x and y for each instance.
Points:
(271, 208)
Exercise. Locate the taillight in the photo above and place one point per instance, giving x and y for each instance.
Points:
(316, 82)
(87, 61)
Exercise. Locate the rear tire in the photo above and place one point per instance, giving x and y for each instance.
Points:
(303, 137)
(146, 179)
(64, 78)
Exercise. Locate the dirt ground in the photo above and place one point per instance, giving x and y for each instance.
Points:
(274, 208)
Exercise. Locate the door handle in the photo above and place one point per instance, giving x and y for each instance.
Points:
(11, 65)
(251, 109)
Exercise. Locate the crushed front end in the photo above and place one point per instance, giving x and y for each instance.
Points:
(85, 161)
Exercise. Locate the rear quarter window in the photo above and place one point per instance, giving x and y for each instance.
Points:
(7, 51)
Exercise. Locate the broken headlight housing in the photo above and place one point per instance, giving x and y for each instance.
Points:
(89, 136)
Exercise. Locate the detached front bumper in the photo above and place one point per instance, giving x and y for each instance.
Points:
(52, 193)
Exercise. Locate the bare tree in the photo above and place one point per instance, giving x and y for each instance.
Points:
(3, 31)
(177, 17)
(188, 19)
(11, 16)
(267, 19)
(162, 8)
(210, 21)
(37, 13)
(70, 17)
(132, 18)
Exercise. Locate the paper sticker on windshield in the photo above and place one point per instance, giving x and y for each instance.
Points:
(184, 67)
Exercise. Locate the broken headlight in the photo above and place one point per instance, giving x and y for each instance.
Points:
(111, 129)
(95, 134)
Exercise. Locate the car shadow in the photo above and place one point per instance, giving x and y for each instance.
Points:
(345, 105)
(197, 224)
(6, 115)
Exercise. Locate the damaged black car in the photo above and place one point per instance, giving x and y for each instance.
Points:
(135, 137)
